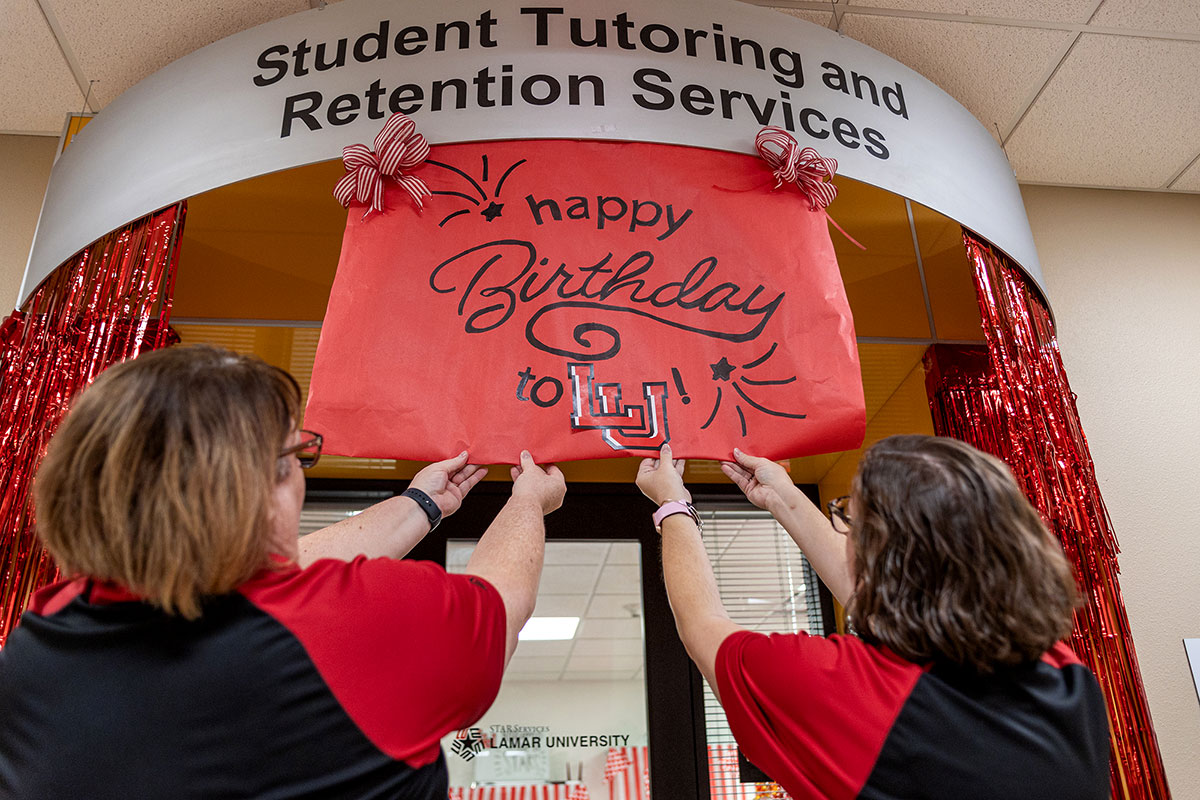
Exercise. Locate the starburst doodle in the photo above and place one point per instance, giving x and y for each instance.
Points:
(723, 372)
(494, 207)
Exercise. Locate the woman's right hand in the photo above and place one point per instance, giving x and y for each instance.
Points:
(765, 483)
(544, 486)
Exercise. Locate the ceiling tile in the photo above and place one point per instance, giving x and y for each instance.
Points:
(567, 553)
(615, 606)
(561, 605)
(992, 70)
(543, 649)
(620, 579)
(599, 675)
(580, 663)
(608, 647)
(1060, 11)
(625, 553)
(568, 579)
(39, 89)
(1121, 111)
(1175, 16)
(629, 628)
(821, 18)
(124, 43)
(530, 676)
(1189, 181)
(537, 663)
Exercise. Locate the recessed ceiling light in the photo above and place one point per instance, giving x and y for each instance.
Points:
(545, 629)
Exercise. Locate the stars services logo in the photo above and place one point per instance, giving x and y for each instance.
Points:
(470, 742)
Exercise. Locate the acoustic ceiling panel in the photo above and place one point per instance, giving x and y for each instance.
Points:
(1061, 11)
(1176, 16)
(1189, 181)
(119, 42)
(38, 87)
(1121, 131)
(821, 18)
(992, 70)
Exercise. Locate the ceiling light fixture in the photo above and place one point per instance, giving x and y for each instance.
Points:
(547, 629)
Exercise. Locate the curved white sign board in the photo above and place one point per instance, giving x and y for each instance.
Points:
(706, 73)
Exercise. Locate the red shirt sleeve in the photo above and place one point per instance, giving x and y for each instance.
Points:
(410, 652)
(811, 712)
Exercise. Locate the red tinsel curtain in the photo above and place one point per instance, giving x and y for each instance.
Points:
(108, 303)
(1012, 399)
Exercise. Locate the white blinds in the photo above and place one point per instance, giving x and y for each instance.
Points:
(766, 585)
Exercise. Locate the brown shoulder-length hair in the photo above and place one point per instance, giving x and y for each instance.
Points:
(953, 564)
(160, 477)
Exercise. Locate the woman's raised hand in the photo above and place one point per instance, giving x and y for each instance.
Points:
(661, 479)
(448, 482)
(765, 483)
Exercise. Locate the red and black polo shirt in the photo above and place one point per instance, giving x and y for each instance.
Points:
(338, 680)
(837, 718)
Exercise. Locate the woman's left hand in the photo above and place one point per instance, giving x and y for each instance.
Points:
(448, 482)
(661, 479)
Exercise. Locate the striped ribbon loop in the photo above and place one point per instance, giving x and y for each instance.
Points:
(806, 168)
(398, 147)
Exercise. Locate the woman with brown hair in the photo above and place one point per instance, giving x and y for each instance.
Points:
(957, 684)
(197, 649)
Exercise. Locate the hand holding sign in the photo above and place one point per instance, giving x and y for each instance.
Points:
(661, 479)
(585, 300)
(448, 482)
(544, 485)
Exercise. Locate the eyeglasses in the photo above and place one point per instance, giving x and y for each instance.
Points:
(839, 517)
(308, 451)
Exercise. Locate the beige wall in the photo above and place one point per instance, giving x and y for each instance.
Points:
(1122, 272)
(25, 163)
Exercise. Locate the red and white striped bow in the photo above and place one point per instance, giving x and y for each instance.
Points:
(806, 168)
(398, 147)
(579, 792)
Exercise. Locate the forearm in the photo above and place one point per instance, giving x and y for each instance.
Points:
(824, 547)
(509, 556)
(700, 615)
(388, 529)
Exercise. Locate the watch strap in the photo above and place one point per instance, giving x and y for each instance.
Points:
(427, 505)
(672, 507)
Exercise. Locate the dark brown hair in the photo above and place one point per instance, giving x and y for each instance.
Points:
(953, 564)
(161, 475)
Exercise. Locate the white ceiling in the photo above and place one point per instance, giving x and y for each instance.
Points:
(600, 582)
(1099, 93)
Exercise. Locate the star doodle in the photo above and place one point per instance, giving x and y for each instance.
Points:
(491, 212)
(722, 369)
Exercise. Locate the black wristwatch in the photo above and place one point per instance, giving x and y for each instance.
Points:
(427, 505)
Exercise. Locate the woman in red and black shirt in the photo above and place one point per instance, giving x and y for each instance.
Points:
(957, 684)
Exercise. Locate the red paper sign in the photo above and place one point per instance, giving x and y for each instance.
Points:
(586, 300)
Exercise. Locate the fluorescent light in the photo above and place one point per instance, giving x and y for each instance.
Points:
(545, 629)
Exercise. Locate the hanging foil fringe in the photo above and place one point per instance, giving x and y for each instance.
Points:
(1012, 399)
(108, 303)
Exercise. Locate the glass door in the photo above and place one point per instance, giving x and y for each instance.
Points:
(570, 721)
